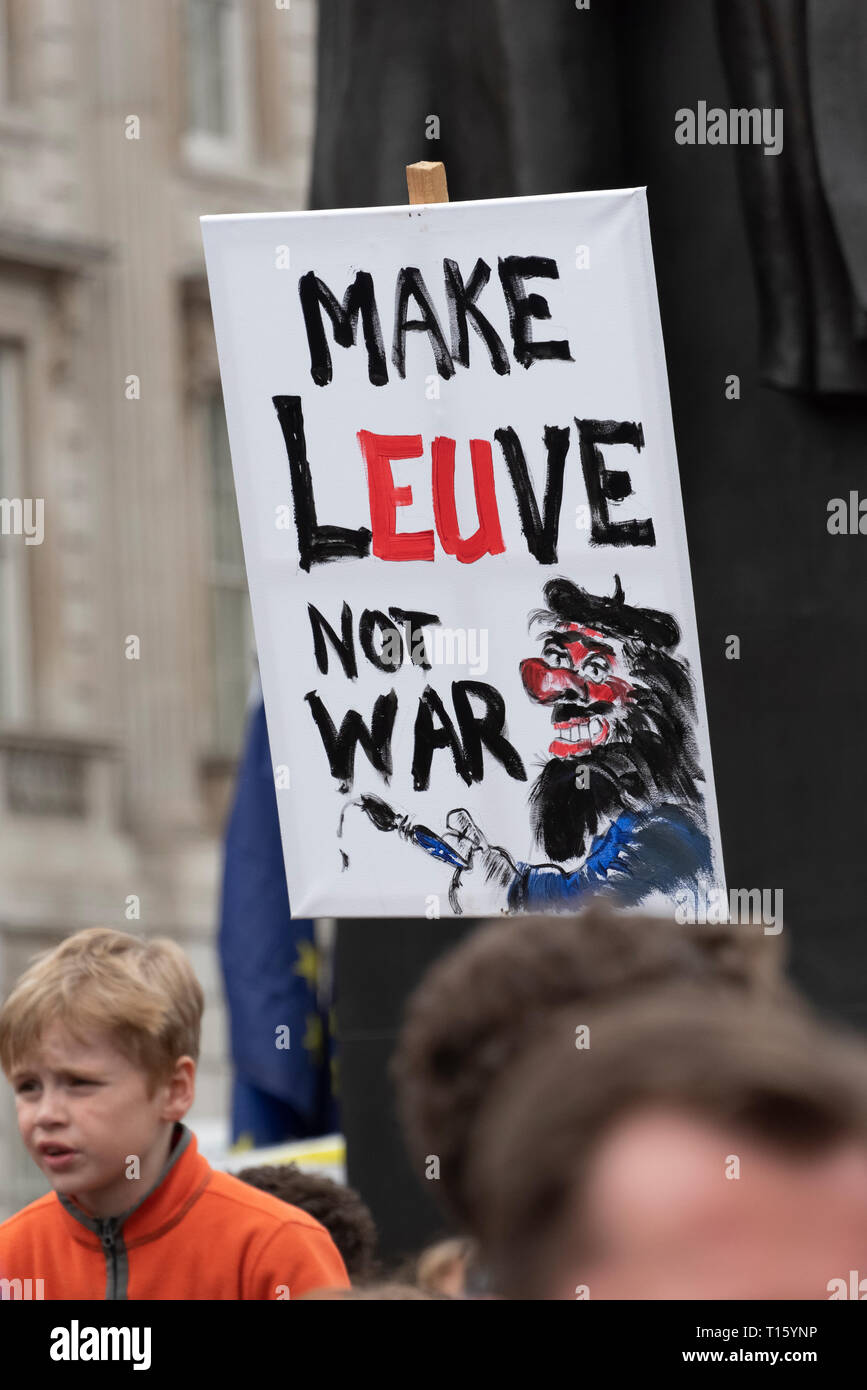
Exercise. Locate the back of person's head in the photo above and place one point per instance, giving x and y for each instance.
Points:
(143, 994)
(469, 1016)
(681, 1145)
(340, 1210)
(442, 1267)
(372, 1293)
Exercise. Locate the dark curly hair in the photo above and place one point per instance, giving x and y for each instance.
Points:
(341, 1211)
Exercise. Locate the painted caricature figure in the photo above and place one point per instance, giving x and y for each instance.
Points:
(617, 802)
(617, 806)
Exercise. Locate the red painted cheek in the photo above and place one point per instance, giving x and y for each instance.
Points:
(612, 691)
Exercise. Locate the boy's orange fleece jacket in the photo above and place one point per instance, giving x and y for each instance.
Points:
(197, 1234)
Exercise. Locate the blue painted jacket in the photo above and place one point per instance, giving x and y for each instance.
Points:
(640, 853)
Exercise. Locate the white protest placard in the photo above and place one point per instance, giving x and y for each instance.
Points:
(466, 553)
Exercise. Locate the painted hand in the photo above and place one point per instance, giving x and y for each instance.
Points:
(489, 872)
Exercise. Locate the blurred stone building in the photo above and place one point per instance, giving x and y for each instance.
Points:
(125, 638)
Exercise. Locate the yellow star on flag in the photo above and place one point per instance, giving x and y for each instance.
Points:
(314, 1038)
(307, 964)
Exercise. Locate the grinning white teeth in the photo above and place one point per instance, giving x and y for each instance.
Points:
(583, 731)
(576, 733)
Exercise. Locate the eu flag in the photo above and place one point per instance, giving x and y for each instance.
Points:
(279, 1029)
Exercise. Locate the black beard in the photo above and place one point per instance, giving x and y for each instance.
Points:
(565, 816)
(658, 764)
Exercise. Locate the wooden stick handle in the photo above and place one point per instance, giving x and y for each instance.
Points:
(426, 182)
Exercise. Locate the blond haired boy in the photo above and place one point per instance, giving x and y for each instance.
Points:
(100, 1039)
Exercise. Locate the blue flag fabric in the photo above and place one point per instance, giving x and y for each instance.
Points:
(279, 1032)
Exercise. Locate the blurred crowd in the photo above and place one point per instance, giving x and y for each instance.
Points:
(616, 1107)
(606, 1106)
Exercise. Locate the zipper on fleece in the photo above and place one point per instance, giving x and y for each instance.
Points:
(111, 1239)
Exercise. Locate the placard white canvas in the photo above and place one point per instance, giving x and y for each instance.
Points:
(465, 545)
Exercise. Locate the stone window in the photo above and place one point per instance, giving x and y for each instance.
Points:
(218, 81)
(15, 46)
(13, 552)
(6, 64)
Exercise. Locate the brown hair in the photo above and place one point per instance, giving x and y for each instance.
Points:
(143, 993)
(468, 1018)
(341, 1211)
(373, 1293)
(763, 1071)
